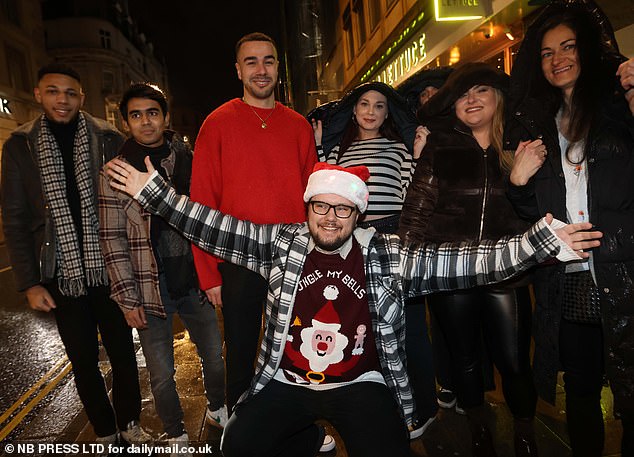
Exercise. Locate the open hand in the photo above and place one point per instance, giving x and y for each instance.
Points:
(578, 236)
(626, 75)
(126, 178)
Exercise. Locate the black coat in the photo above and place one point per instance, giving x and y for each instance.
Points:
(27, 222)
(458, 191)
(611, 206)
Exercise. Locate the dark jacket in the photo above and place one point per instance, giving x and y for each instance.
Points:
(458, 191)
(125, 227)
(611, 206)
(610, 166)
(28, 227)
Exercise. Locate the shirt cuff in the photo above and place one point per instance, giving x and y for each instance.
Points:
(566, 253)
(138, 194)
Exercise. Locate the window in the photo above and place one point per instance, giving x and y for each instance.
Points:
(105, 39)
(112, 114)
(18, 70)
(374, 13)
(9, 10)
(359, 9)
(347, 27)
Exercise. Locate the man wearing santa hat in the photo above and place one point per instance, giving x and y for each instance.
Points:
(334, 342)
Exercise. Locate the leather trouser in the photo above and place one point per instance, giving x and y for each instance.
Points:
(502, 315)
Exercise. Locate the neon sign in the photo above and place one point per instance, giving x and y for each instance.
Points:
(405, 63)
(458, 10)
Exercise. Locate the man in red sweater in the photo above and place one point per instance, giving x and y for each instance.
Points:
(252, 160)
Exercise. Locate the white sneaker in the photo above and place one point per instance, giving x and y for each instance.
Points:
(107, 442)
(179, 446)
(134, 434)
(217, 418)
(417, 430)
(328, 444)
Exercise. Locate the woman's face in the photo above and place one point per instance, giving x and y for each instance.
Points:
(560, 61)
(476, 107)
(370, 112)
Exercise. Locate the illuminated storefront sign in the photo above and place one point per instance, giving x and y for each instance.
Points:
(405, 63)
(4, 106)
(459, 10)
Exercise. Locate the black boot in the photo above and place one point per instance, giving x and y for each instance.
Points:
(525, 445)
(585, 425)
(481, 440)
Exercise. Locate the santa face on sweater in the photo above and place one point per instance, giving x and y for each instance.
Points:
(323, 344)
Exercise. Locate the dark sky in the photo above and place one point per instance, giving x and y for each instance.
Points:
(197, 39)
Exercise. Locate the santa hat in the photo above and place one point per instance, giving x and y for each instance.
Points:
(327, 318)
(346, 182)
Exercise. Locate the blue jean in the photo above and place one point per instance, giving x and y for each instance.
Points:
(157, 341)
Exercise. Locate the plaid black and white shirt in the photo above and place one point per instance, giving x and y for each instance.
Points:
(394, 272)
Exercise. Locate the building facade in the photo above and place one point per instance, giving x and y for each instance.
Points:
(393, 40)
(22, 52)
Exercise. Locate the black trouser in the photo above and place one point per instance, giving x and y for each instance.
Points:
(243, 297)
(78, 321)
(503, 316)
(581, 356)
(420, 367)
(280, 421)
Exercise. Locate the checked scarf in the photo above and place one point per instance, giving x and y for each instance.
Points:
(74, 274)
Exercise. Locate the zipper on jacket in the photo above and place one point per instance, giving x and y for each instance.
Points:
(486, 181)
(485, 194)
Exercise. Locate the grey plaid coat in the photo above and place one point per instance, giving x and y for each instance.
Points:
(394, 272)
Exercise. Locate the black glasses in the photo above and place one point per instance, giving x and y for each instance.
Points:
(322, 208)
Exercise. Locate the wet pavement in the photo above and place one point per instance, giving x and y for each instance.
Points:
(61, 419)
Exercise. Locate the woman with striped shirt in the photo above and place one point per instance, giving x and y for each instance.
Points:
(372, 126)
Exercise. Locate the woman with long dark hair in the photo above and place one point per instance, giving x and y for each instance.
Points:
(372, 126)
(565, 91)
(458, 194)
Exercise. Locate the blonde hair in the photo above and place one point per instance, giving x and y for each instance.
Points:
(497, 133)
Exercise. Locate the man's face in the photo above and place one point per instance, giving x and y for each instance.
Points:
(257, 69)
(61, 97)
(146, 121)
(329, 231)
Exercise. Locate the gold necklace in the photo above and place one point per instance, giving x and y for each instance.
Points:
(263, 125)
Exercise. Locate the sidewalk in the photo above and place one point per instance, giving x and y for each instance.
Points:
(448, 436)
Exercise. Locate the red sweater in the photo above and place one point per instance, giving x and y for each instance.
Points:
(249, 172)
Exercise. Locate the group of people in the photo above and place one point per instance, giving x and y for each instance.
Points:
(326, 242)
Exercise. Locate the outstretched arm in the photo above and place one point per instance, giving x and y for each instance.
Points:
(453, 266)
(240, 242)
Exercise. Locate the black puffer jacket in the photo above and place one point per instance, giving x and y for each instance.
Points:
(610, 159)
(611, 206)
(458, 191)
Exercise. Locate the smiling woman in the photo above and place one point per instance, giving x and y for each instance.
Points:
(457, 194)
(564, 89)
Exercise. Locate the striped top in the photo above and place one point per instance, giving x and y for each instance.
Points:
(391, 169)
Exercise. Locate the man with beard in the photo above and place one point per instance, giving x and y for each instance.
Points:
(50, 171)
(252, 160)
(369, 401)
